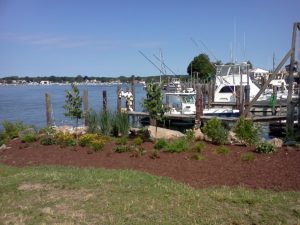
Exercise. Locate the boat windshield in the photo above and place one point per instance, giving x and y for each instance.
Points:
(178, 99)
(189, 99)
(225, 70)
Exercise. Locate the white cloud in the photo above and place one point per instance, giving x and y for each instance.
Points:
(45, 40)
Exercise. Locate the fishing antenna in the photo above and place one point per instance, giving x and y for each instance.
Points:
(151, 62)
(165, 65)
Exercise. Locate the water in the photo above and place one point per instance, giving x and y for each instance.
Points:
(27, 103)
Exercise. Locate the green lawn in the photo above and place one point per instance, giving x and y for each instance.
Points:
(64, 195)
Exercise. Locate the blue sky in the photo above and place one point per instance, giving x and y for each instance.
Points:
(102, 38)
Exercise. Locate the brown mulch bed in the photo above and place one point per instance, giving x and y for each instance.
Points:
(279, 171)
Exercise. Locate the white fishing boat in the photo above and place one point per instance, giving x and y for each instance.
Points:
(230, 78)
(180, 103)
(174, 85)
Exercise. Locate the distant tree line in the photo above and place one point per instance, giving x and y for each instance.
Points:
(80, 79)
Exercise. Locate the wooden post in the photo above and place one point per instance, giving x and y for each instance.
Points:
(290, 106)
(242, 100)
(213, 89)
(104, 100)
(85, 100)
(133, 91)
(237, 97)
(209, 95)
(247, 95)
(119, 98)
(199, 105)
(48, 110)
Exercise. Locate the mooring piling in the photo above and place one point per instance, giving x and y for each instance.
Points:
(48, 110)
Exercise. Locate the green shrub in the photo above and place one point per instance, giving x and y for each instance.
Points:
(222, 150)
(198, 157)
(246, 131)
(264, 147)
(86, 139)
(47, 140)
(121, 141)
(97, 145)
(4, 138)
(179, 145)
(65, 139)
(138, 141)
(154, 155)
(190, 135)
(144, 133)
(28, 138)
(216, 131)
(137, 151)
(198, 147)
(247, 157)
(160, 144)
(121, 149)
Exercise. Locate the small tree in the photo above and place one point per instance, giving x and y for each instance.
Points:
(73, 104)
(154, 103)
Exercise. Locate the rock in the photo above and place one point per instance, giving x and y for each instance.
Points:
(276, 142)
(232, 138)
(71, 130)
(290, 143)
(206, 138)
(3, 147)
(27, 131)
(164, 133)
(198, 134)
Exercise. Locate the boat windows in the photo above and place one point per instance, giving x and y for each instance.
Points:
(227, 89)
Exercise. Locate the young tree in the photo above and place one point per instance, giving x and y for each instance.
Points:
(73, 104)
(154, 103)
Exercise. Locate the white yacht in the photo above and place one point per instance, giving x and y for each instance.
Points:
(185, 104)
(229, 78)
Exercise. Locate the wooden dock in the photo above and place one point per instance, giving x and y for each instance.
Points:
(205, 118)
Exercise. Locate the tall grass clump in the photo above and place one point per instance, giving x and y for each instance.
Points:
(12, 129)
(93, 122)
(215, 130)
(100, 122)
(246, 131)
(120, 124)
(105, 120)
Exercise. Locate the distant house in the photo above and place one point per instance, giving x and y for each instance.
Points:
(45, 82)
(258, 73)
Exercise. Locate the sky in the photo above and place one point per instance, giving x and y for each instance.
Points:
(103, 38)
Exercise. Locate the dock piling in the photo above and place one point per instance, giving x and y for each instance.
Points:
(48, 110)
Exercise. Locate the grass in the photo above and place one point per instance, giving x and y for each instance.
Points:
(67, 195)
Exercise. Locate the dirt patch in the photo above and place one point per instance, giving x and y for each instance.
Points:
(278, 171)
(33, 187)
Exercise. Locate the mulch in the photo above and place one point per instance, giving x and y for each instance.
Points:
(279, 171)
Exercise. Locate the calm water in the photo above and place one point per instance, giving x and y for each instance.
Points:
(27, 103)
